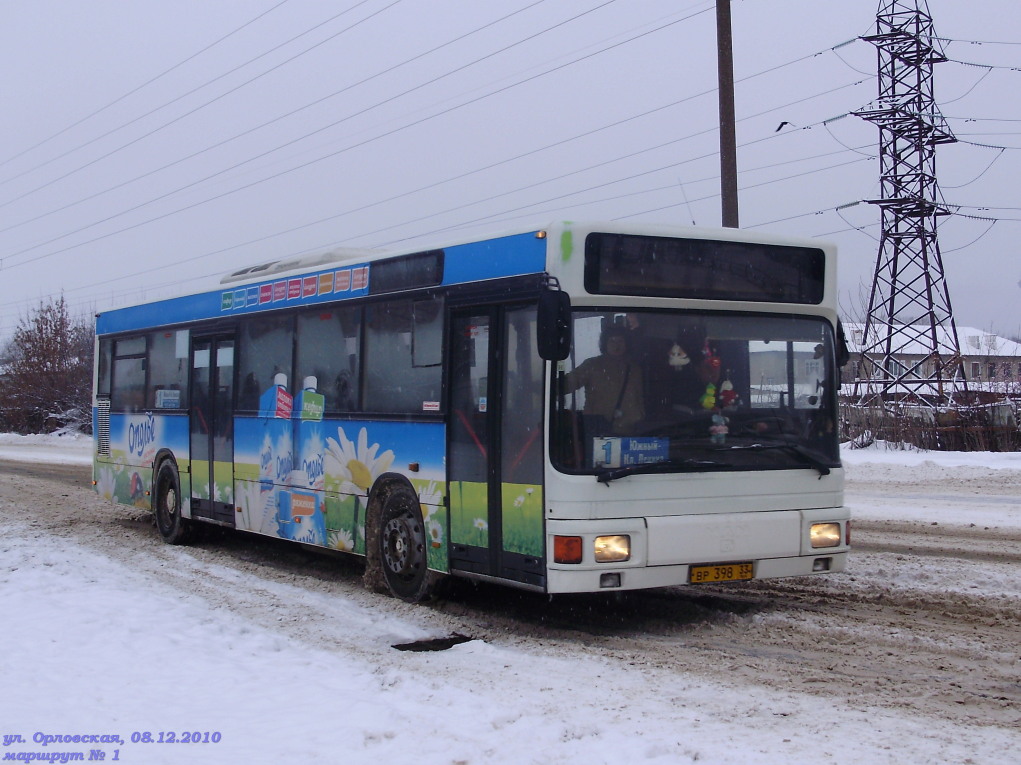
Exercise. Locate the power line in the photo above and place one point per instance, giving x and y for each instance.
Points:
(1007, 67)
(975, 42)
(144, 85)
(608, 162)
(750, 77)
(746, 187)
(989, 145)
(198, 108)
(291, 113)
(233, 167)
(686, 201)
(562, 176)
(327, 156)
(984, 171)
(464, 224)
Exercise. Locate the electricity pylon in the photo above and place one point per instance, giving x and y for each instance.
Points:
(909, 347)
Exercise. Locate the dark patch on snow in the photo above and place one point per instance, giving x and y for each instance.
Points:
(433, 644)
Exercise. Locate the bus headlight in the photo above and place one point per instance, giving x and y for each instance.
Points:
(613, 549)
(825, 534)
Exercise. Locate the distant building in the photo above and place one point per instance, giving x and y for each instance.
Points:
(992, 363)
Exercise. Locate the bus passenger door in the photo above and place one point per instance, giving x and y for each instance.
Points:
(495, 445)
(212, 429)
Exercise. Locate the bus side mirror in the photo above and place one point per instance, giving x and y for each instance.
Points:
(843, 353)
(554, 325)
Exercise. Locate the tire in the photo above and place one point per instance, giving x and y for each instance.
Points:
(174, 529)
(400, 547)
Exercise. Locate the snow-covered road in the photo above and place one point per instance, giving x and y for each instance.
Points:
(911, 655)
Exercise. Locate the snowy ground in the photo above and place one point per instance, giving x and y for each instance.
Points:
(155, 641)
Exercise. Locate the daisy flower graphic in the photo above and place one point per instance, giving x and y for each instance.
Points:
(435, 531)
(356, 465)
(430, 498)
(341, 539)
(251, 501)
(107, 484)
(215, 496)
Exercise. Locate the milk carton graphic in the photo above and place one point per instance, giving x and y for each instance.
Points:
(283, 465)
(308, 414)
(300, 517)
(310, 471)
(276, 401)
(300, 508)
(265, 519)
(276, 462)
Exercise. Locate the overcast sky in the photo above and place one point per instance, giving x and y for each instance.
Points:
(149, 146)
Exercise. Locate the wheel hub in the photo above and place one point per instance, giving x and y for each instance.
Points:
(396, 545)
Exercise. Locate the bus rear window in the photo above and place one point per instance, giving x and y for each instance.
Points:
(624, 264)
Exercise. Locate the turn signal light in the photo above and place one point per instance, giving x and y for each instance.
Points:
(567, 549)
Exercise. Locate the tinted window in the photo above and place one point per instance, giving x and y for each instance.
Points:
(168, 370)
(727, 391)
(105, 367)
(619, 264)
(423, 269)
(328, 348)
(267, 348)
(402, 362)
(127, 391)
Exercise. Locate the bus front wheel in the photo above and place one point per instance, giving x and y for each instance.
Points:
(174, 529)
(401, 546)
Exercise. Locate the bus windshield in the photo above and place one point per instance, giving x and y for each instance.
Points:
(658, 391)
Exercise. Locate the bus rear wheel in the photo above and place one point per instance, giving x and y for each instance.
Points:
(174, 529)
(403, 546)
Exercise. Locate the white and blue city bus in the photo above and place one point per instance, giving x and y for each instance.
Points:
(575, 409)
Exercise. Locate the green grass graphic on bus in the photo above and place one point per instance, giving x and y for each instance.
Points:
(469, 513)
(522, 518)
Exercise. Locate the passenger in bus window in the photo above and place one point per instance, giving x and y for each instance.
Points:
(696, 377)
(648, 342)
(613, 386)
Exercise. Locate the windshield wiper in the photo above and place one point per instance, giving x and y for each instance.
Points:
(668, 466)
(813, 458)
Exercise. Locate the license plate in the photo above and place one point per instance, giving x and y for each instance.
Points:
(724, 572)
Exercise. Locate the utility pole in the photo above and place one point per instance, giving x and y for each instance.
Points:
(909, 313)
(728, 133)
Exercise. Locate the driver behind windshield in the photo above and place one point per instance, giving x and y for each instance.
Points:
(613, 386)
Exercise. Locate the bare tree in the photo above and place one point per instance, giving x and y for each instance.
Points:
(47, 368)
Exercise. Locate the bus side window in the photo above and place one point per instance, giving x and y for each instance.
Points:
(168, 370)
(266, 345)
(394, 382)
(328, 351)
(127, 389)
(105, 367)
